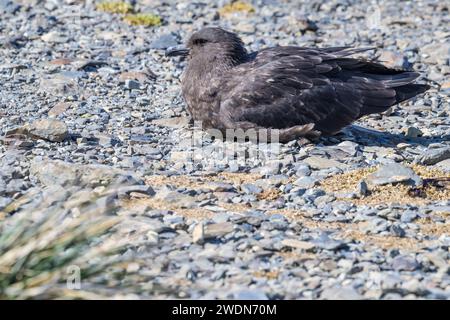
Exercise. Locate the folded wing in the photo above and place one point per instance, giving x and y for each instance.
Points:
(289, 86)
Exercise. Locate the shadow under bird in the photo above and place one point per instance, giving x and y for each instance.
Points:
(302, 92)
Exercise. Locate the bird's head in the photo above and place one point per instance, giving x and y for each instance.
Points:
(212, 43)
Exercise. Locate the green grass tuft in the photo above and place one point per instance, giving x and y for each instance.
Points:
(115, 7)
(143, 19)
(236, 6)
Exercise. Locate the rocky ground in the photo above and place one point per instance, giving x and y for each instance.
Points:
(88, 101)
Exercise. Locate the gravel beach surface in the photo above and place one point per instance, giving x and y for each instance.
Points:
(88, 100)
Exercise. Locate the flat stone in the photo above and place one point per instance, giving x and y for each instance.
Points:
(409, 216)
(444, 165)
(57, 172)
(433, 156)
(59, 109)
(250, 188)
(177, 122)
(54, 37)
(340, 293)
(349, 147)
(177, 199)
(61, 84)
(306, 182)
(391, 174)
(204, 232)
(217, 230)
(84, 64)
(298, 244)
(60, 62)
(133, 75)
(48, 129)
(216, 186)
(404, 263)
(319, 163)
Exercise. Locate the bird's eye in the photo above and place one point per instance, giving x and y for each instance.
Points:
(199, 42)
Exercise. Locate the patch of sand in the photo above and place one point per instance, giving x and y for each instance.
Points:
(347, 182)
(199, 182)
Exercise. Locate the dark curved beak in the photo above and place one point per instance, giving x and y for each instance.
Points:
(177, 51)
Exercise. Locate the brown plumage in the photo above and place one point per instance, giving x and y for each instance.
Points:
(301, 91)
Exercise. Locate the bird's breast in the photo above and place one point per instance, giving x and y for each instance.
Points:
(202, 101)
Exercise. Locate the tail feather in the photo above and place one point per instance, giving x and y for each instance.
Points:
(407, 92)
(377, 105)
(396, 80)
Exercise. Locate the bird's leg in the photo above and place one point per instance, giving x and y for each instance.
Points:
(281, 135)
(301, 131)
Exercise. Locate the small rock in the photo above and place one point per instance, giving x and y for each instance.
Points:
(132, 84)
(48, 129)
(404, 263)
(324, 242)
(436, 53)
(54, 37)
(349, 147)
(409, 216)
(413, 132)
(133, 75)
(278, 221)
(302, 170)
(245, 27)
(445, 88)
(217, 230)
(176, 122)
(163, 42)
(216, 186)
(393, 59)
(340, 293)
(397, 231)
(250, 295)
(4, 201)
(306, 182)
(271, 168)
(143, 189)
(297, 244)
(61, 84)
(59, 109)
(8, 6)
(362, 189)
(203, 232)
(198, 234)
(250, 188)
(444, 165)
